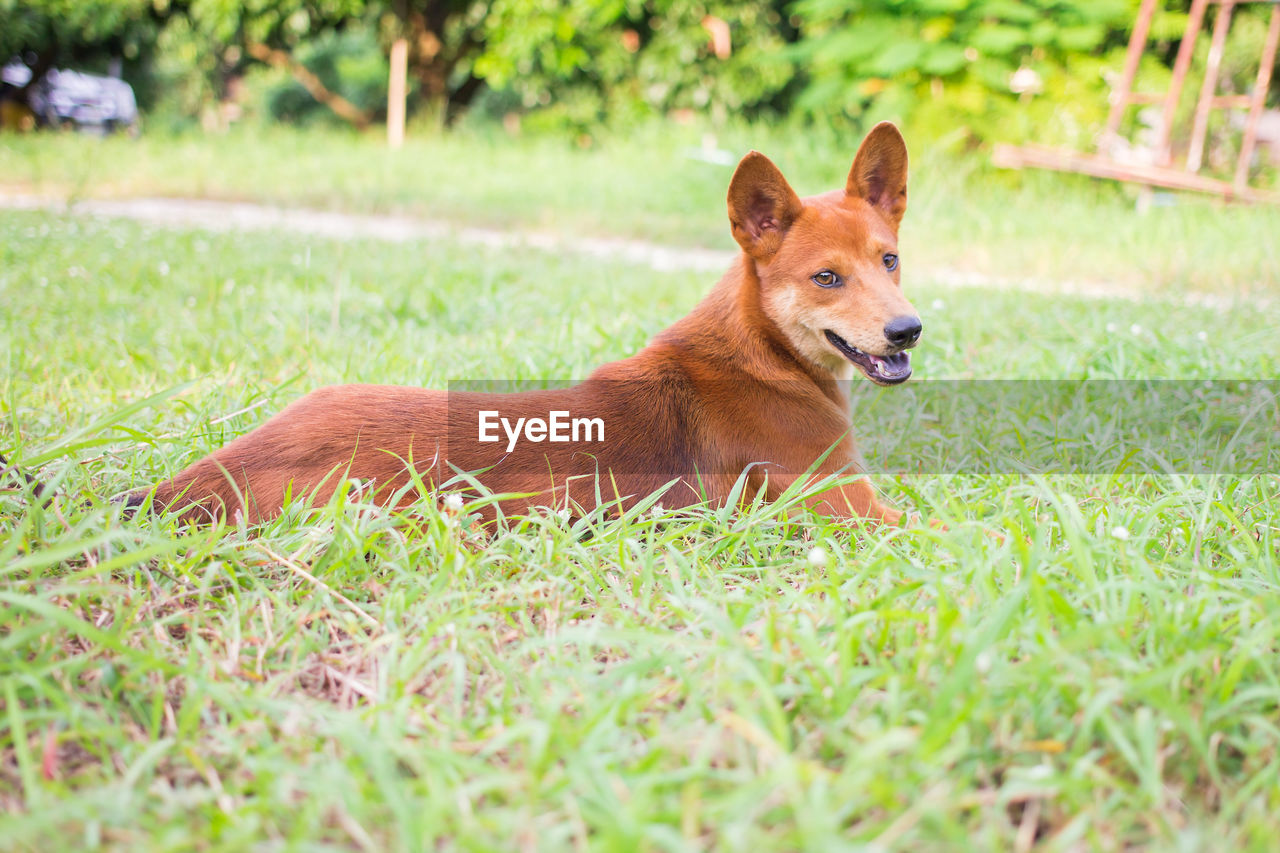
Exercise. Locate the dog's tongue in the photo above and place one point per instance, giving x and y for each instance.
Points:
(891, 366)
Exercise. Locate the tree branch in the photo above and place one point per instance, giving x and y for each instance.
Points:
(309, 81)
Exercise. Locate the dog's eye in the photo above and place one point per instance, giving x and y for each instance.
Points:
(826, 278)
(890, 261)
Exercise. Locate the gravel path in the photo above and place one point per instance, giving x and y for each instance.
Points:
(244, 216)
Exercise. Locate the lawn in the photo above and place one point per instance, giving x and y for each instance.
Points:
(655, 182)
(1083, 660)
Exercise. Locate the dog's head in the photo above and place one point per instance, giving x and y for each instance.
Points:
(828, 264)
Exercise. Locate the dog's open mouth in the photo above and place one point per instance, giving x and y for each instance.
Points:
(881, 369)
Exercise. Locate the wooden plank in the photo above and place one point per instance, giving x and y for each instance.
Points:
(396, 92)
(1195, 155)
(1186, 49)
(1137, 44)
(1258, 98)
(1098, 166)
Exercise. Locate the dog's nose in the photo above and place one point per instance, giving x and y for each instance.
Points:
(903, 331)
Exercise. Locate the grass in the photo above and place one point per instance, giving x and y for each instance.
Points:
(1104, 674)
(965, 216)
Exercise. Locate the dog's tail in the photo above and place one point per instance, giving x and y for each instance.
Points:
(131, 501)
(39, 489)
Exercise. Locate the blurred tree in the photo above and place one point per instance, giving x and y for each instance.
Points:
(1017, 67)
(445, 37)
(977, 62)
(297, 35)
(85, 34)
(588, 59)
(229, 35)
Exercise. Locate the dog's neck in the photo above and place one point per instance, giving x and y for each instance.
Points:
(730, 327)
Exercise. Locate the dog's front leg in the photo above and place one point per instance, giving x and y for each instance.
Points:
(855, 500)
(850, 500)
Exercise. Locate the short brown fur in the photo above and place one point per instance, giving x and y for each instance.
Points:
(747, 381)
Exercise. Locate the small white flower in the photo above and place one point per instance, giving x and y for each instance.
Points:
(163, 268)
(937, 305)
(1120, 532)
(563, 514)
(1135, 329)
(1111, 327)
(657, 510)
(982, 663)
(1202, 336)
(453, 502)
(1025, 80)
(818, 557)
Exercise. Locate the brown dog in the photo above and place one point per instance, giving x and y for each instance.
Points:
(749, 381)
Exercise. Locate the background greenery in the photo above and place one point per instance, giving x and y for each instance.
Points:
(944, 67)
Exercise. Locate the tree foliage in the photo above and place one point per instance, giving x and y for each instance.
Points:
(899, 55)
(574, 63)
(598, 58)
(82, 33)
(444, 38)
(75, 29)
(225, 37)
(316, 39)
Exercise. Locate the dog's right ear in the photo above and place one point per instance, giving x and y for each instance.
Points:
(762, 206)
(879, 172)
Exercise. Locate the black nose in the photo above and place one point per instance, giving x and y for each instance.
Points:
(903, 331)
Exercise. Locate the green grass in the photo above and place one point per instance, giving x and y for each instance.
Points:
(363, 679)
(964, 215)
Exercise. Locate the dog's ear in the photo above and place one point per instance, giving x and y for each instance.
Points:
(879, 172)
(762, 205)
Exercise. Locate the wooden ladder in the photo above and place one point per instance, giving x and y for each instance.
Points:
(1164, 172)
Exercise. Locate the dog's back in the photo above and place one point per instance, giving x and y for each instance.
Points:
(749, 381)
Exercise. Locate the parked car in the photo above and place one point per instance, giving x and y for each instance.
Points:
(87, 101)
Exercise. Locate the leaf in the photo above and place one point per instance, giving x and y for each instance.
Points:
(1011, 11)
(999, 39)
(897, 57)
(1081, 39)
(941, 60)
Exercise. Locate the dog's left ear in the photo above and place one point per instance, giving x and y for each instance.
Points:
(879, 172)
(762, 206)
